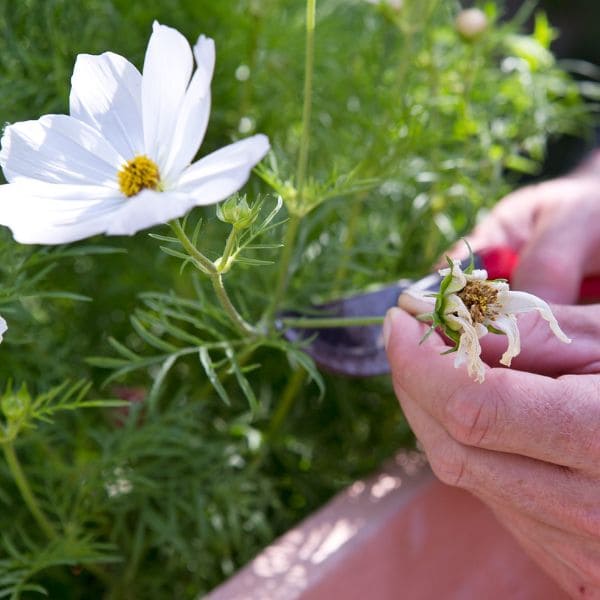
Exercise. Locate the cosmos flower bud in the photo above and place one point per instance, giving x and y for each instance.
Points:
(237, 212)
(471, 23)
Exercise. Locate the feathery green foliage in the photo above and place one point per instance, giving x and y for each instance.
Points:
(230, 433)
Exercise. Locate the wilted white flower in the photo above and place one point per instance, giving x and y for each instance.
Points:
(121, 161)
(469, 305)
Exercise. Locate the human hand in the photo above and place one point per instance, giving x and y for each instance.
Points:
(555, 228)
(526, 444)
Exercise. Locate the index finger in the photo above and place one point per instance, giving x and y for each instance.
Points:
(553, 420)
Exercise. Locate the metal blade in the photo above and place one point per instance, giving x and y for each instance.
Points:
(355, 351)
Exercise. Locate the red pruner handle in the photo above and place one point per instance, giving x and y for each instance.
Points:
(501, 261)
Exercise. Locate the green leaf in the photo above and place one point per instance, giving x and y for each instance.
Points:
(207, 364)
(242, 381)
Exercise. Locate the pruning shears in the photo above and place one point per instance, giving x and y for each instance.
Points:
(358, 351)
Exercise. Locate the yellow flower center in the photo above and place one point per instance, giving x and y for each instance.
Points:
(480, 298)
(137, 174)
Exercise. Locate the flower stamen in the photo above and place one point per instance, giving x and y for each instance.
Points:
(481, 299)
(137, 174)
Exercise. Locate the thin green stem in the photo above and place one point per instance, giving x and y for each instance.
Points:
(301, 168)
(287, 401)
(284, 264)
(22, 483)
(288, 397)
(325, 322)
(208, 267)
(26, 492)
(223, 265)
(202, 262)
(242, 325)
(309, 62)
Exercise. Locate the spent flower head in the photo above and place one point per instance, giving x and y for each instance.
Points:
(121, 161)
(469, 305)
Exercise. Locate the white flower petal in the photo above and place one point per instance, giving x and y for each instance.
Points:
(106, 93)
(167, 71)
(477, 275)
(469, 348)
(520, 302)
(58, 149)
(507, 324)
(454, 304)
(56, 213)
(3, 327)
(146, 209)
(193, 113)
(223, 172)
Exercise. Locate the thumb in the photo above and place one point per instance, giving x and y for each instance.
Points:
(542, 352)
(419, 367)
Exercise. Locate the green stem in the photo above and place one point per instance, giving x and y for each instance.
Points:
(16, 470)
(202, 262)
(223, 265)
(208, 267)
(284, 264)
(288, 397)
(301, 168)
(287, 401)
(309, 62)
(242, 325)
(325, 322)
(26, 492)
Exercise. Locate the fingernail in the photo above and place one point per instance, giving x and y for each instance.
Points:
(388, 323)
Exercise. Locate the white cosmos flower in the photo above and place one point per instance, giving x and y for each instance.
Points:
(121, 161)
(3, 327)
(469, 305)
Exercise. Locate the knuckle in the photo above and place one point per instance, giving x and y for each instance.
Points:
(472, 417)
(449, 466)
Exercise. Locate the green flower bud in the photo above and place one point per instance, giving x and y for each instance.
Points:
(237, 212)
(15, 405)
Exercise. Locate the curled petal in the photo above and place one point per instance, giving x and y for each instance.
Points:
(507, 324)
(469, 348)
(520, 302)
(453, 304)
